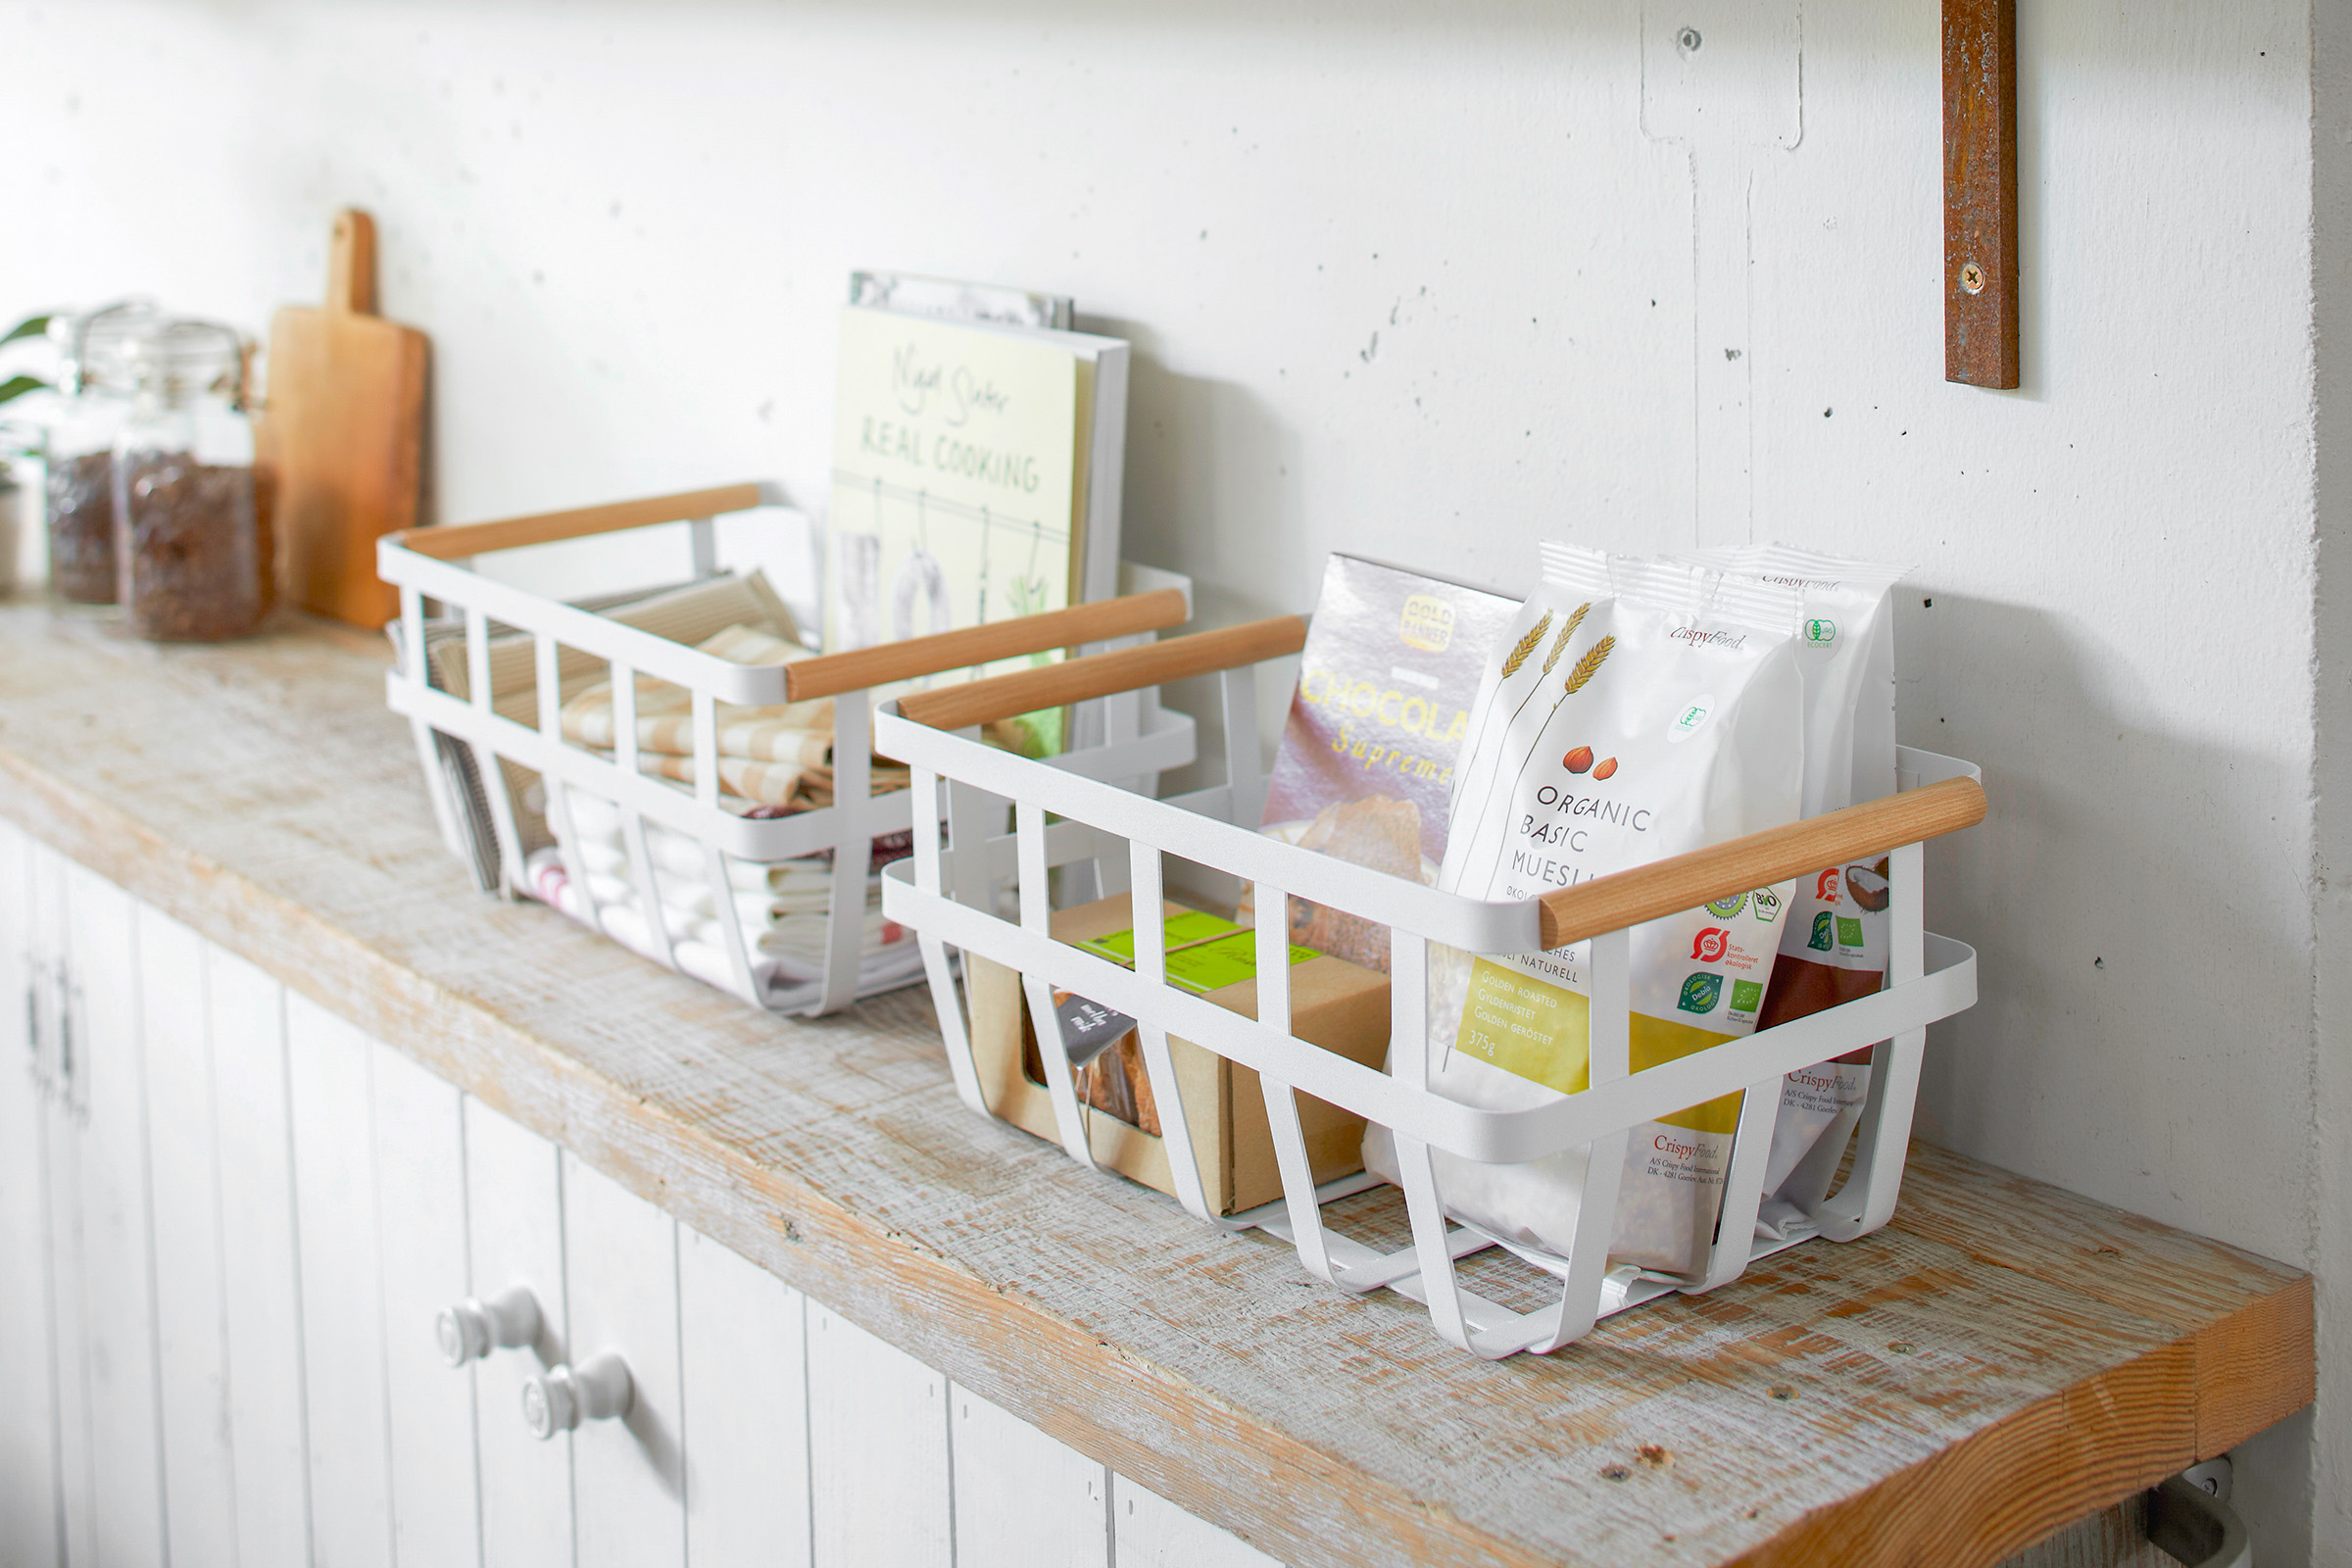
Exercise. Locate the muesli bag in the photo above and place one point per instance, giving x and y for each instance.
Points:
(1636, 711)
(1834, 941)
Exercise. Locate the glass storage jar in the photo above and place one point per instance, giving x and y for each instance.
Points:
(77, 447)
(192, 541)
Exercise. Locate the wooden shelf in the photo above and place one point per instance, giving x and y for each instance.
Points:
(2002, 1360)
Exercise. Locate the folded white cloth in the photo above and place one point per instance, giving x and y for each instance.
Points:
(689, 901)
(596, 826)
(797, 893)
(784, 949)
(704, 961)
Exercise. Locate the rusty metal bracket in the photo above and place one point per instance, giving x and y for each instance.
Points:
(1979, 192)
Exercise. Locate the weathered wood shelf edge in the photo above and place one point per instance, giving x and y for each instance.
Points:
(260, 795)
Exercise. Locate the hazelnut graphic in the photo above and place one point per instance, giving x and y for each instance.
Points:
(1578, 760)
(1608, 766)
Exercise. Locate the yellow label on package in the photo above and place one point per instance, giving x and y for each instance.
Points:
(1204, 953)
(1543, 1033)
(1525, 1026)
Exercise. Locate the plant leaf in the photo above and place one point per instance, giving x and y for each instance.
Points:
(30, 326)
(16, 386)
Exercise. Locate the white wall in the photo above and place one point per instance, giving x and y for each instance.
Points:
(1431, 283)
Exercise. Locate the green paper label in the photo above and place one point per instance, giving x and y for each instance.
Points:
(1203, 952)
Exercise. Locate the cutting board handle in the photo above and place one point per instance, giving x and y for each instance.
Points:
(351, 265)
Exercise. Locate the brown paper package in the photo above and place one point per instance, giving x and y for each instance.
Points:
(1334, 1003)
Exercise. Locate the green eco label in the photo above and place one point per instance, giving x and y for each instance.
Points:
(1849, 931)
(1820, 941)
(1746, 994)
(1184, 927)
(1204, 953)
(1700, 993)
(1822, 631)
(1725, 908)
(1768, 906)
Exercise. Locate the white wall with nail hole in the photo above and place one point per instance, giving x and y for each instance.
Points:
(1430, 283)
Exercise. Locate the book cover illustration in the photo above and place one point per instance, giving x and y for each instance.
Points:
(956, 475)
(1365, 770)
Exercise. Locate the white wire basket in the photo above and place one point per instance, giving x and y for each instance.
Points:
(681, 843)
(949, 893)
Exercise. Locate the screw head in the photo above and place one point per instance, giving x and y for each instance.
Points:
(1971, 277)
(1687, 40)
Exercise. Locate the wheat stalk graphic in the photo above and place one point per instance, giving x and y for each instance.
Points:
(1584, 669)
(1567, 630)
(1526, 645)
(1521, 651)
(1519, 654)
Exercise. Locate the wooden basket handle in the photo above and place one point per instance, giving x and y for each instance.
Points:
(1124, 670)
(1686, 881)
(862, 667)
(545, 527)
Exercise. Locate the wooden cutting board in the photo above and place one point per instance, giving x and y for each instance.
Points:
(344, 433)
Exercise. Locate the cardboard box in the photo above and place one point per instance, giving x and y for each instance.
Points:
(1336, 1005)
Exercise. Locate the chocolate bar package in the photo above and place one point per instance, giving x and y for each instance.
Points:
(1386, 685)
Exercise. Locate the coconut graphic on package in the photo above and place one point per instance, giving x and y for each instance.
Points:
(1867, 886)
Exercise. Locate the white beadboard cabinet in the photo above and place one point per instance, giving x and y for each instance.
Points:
(228, 1220)
(515, 1238)
(30, 1495)
(183, 1166)
(118, 1515)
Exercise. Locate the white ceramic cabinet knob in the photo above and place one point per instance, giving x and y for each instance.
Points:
(561, 1398)
(474, 1327)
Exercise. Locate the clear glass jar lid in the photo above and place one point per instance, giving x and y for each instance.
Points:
(93, 346)
(177, 361)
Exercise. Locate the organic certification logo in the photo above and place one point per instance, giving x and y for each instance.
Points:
(1700, 993)
(1821, 632)
(1725, 908)
(1822, 941)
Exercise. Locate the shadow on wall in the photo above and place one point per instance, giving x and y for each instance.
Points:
(1206, 460)
(2126, 975)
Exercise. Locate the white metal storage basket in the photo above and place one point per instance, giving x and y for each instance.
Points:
(660, 824)
(947, 893)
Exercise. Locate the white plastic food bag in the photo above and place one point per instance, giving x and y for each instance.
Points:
(1636, 710)
(1834, 943)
